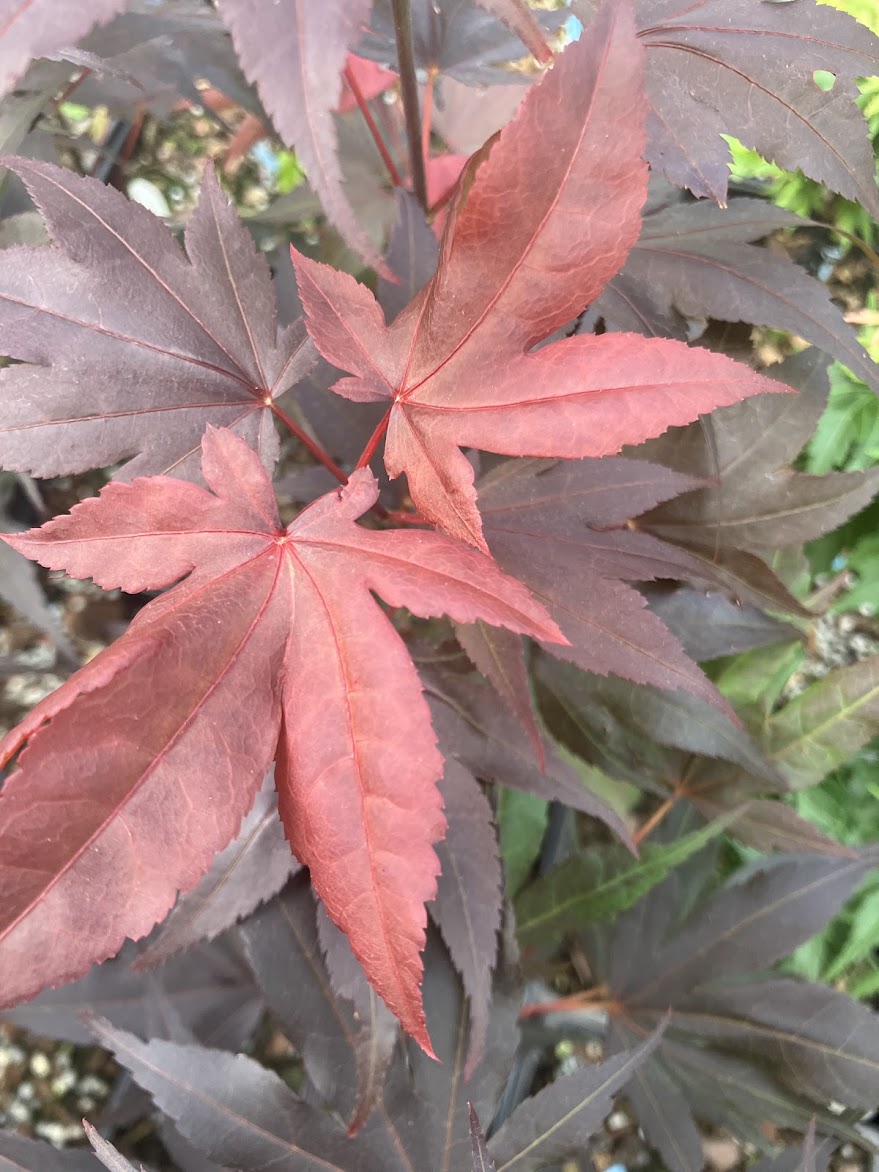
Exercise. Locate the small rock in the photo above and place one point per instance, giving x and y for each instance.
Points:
(722, 1154)
(145, 193)
(41, 1067)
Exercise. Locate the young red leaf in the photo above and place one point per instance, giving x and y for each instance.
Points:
(135, 348)
(39, 28)
(296, 55)
(334, 694)
(519, 259)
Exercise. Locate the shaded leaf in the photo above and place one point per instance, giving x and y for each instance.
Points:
(696, 259)
(500, 656)
(747, 69)
(709, 625)
(252, 868)
(600, 883)
(482, 1161)
(19, 1154)
(475, 727)
(39, 28)
(106, 1153)
(411, 256)
(558, 1120)
(209, 990)
(131, 347)
(296, 58)
(823, 726)
(229, 1106)
(240, 590)
(467, 908)
(522, 820)
(20, 586)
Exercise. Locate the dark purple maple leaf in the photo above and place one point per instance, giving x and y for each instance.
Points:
(39, 28)
(519, 259)
(296, 56)
(131, 347)
(231, 629)
(747, 68)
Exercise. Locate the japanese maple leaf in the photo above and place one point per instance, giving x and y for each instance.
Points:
(272, 646)
(538, 227)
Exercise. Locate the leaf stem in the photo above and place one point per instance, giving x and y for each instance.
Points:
(654, 820)
(313, 446)
(375, 439)
(409, 93)
(378, 139)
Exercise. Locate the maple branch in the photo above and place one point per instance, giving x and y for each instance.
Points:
(377, 137)
(374, 440)
(313, 446)
(409, 93)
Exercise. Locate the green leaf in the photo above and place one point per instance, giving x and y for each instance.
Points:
(754, 680)
(860, 942)
(521, 819)
(602, 882)
(825, 725)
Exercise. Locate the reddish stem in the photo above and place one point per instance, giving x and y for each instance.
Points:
(375, 439)
(654, 820)
(70, 87)
(304, 438)
(380, 143)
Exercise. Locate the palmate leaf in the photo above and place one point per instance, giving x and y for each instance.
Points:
(457, 368)
(695, 259)
(132, 347)
(775, 1045)
(747, 69)
(364, 833)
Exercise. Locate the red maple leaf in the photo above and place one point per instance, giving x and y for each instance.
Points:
(272, 645)
(532, 238)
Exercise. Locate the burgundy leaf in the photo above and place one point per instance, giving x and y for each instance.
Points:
(39, 28)
(709, 625)
(557, 1121)
(500, 656)
(376, 1038)
(207, 989)
(229, 1106)
(20, 1154)
(482, 1161)
(412, 256)
(696, 259)
(467, 908)
(746, 69)
(296, 57)
(518, 17)
(339, 785)
(133, 348)
(282, 948)
(252, 868)
(106, 1153)
(475, 727)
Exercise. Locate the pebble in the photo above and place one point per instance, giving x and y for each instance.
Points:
(41, 1067)
(149, 196)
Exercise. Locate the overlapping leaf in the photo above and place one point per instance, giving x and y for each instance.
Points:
(518, 260)
(38, 28)
(700, 972)
(696, 260)
(464, 41)
(760, 503)
(252, 868)
(746, 69)
(563, 531)
(132, 347)
(241, 1115)
(357, 795)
